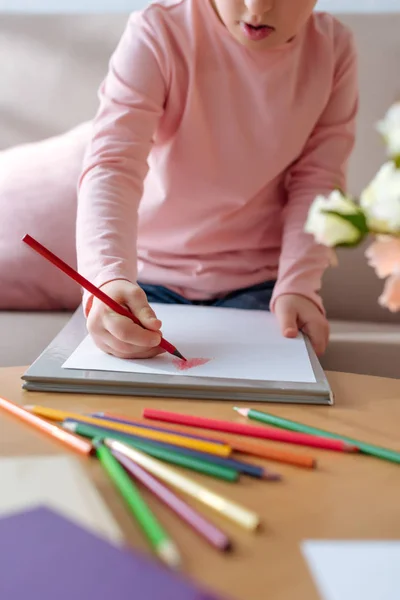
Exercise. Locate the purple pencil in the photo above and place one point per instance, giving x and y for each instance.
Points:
(116, 419)
(207, 530)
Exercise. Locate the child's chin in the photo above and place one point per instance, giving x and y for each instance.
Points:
(260, 45)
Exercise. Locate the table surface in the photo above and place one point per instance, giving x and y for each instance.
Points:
(346, 497)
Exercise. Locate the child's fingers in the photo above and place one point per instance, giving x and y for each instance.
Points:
(149, 319)
(122, 350)
(318, 332)
(125, 330)
(137, 303)
(287, 319)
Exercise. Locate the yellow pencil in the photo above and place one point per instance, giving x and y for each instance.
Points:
(240, 515)
(160, 436)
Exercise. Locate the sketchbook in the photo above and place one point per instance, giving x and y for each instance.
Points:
(234, 355)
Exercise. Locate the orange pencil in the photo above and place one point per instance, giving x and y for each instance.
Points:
(243, 446)
(71, 440)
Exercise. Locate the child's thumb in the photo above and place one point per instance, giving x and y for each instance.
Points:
(138, 304)
(287, 319)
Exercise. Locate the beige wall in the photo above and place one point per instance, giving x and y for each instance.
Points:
(378, 43)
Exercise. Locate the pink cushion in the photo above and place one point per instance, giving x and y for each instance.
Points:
(38, 196)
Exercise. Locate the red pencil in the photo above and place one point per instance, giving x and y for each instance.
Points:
(268, 433)
(37, 246)
(242, 446)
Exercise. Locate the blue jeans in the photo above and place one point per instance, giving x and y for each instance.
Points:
(256, 297)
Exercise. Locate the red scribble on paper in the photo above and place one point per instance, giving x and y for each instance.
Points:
(185, 365)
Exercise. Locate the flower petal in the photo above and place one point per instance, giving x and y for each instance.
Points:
(391, 294)
(384, 256)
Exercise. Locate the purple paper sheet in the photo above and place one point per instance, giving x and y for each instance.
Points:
(43, 556)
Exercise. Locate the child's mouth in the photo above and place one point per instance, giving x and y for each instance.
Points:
(255, 33)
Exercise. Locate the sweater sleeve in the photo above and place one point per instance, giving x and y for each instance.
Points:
(132, 97)
(320, 169)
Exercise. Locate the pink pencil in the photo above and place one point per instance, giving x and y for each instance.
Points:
(267, 433)
(207, 530)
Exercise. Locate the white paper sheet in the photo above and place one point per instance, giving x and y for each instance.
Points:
(355, 570)
(60, 483)
(240, 344)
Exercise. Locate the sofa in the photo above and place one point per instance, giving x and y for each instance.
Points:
(50, 85)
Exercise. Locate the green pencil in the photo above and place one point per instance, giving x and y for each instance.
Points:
(371, 449)
(159, 451)
(158, 538)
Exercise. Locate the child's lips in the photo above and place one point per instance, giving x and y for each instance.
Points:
(256, 33)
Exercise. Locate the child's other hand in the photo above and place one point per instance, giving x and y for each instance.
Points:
(295, 312)
(118, 335)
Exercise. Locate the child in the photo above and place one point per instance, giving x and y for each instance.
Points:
(219, 123)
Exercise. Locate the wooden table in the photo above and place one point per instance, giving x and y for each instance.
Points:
(347, 497)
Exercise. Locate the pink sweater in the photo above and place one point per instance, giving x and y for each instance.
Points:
(205, 155)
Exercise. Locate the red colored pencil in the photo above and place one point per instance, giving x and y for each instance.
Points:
(268, 433)
(242, 446)
(85, 283)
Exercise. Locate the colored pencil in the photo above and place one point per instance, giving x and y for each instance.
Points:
(236, 513)
(239, 445)
(67, 438)
(238, 465)
(365, 448)
(98, 293)
(145, 425)
(214, 536)
(55, 414)
(158, 436)
(170, 454)
(250, 430)
(163, 546)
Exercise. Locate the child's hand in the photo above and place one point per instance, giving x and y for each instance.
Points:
(296, 312)
(118, 335)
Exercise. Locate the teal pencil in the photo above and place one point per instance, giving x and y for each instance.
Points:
(161, 451)
(365, 448)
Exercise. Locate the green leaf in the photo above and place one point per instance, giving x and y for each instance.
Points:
(358, 220)
(353, 244)
(396, 161)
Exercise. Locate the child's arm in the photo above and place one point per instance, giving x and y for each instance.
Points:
(321, 168)
(132, 98)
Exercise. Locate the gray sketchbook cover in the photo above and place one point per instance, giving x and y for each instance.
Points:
(47, 374)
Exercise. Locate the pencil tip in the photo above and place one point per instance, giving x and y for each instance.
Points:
(242, 411)
(351, 448)
(97, 443)
(169, 554)
(68, 426)
(179, 355)
(268, 476)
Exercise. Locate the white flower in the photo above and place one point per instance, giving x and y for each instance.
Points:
(389, 127)
(334, 229)
(381, 200)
